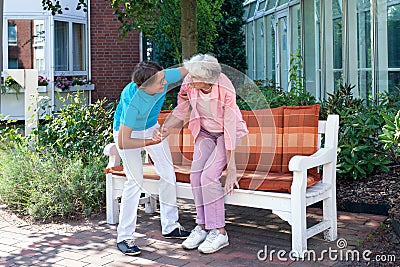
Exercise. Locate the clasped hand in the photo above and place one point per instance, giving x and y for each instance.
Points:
(160, 134)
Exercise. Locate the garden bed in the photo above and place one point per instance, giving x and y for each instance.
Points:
(377, 194)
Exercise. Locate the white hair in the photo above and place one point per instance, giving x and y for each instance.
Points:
(203, 68)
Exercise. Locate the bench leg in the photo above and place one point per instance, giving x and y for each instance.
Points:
(330, 215)
(329, 204)
(298, 219)
(150, 206)
(112, 208)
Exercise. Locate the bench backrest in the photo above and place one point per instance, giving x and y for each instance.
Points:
(275, 136)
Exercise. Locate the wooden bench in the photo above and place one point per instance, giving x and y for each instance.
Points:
(307, 184)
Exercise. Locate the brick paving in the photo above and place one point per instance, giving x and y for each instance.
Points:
(251, 232)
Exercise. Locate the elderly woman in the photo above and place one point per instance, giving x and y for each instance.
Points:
(216, 125)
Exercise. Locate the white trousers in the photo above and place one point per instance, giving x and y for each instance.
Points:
(133, 166)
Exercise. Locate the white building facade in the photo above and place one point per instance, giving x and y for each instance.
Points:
(53, 45)
(340, 41)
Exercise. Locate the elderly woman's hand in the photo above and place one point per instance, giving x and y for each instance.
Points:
(183, 95)
(160, 134)
(231, 180)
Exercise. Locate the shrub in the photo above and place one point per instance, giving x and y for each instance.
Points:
(59, 172)
(390, 136)
(78, 129)
(46, 185)
(11, 133)
(359, 151)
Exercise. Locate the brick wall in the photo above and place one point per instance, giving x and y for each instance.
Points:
(112, 59)
(24, 50)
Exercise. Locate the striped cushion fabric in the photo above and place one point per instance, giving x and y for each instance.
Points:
(278, 182)
(261, 149)
(300, 132)
(188, 146)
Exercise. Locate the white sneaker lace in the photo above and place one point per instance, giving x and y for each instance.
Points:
(212, 236)
(194, 233)
(181, 228)
(130, 243)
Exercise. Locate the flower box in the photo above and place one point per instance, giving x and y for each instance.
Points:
(12, 91)
(74, 88)
(42, 88)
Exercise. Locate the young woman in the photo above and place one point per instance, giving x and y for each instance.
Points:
(135, 120)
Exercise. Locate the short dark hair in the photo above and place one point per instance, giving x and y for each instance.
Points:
(145, 70)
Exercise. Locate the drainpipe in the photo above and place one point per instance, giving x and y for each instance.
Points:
(1, 40)
(89, 55)
(1, 34)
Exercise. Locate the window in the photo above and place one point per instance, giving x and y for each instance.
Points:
(337, 42)
(259, 59)
(61, 46)
(393, 28)
(261, 5)
(364, 49)
(12, 35)
(13, 63)
(270, 48)
(69, 47)
(250, 49)
(79, 47)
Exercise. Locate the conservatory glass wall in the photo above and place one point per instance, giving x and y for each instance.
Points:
(339, 41)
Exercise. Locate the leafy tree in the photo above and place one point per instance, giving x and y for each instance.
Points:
(56, 8)
(229, 46)
(168, 47)
(173, 21)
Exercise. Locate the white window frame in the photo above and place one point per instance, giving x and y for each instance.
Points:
(70, 71)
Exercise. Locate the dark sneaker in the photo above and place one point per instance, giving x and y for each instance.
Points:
(178, 232)
(128, 247)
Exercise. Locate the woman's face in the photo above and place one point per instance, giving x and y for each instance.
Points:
(156, 84)
(204, 87)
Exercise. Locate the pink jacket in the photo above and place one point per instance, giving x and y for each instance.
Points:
(228, 113)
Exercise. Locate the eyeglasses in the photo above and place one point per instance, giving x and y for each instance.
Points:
(205, 87)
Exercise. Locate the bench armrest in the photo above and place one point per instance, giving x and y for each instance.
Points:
(321, 157)
(111, 151)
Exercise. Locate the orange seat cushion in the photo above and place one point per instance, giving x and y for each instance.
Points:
(278, 182)
(149, 172)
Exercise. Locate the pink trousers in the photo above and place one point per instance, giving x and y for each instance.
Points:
(209, 159)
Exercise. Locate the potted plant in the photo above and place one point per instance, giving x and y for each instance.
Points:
(11, 85)
(62, 83)
(81, 83)
(75, 83)
(42, 83)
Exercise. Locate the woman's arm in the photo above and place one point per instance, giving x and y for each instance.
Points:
(231, 179)
(126, 142)
(183, 71)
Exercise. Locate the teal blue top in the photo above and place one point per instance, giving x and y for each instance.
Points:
(139, 110)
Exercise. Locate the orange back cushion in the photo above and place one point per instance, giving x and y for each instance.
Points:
(261, 149)
(300, 132)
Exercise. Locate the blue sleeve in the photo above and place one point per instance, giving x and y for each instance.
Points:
(172, 75)
(129, 115)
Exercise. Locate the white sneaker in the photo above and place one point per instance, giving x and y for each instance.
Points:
(196, 237)
(214, 242)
